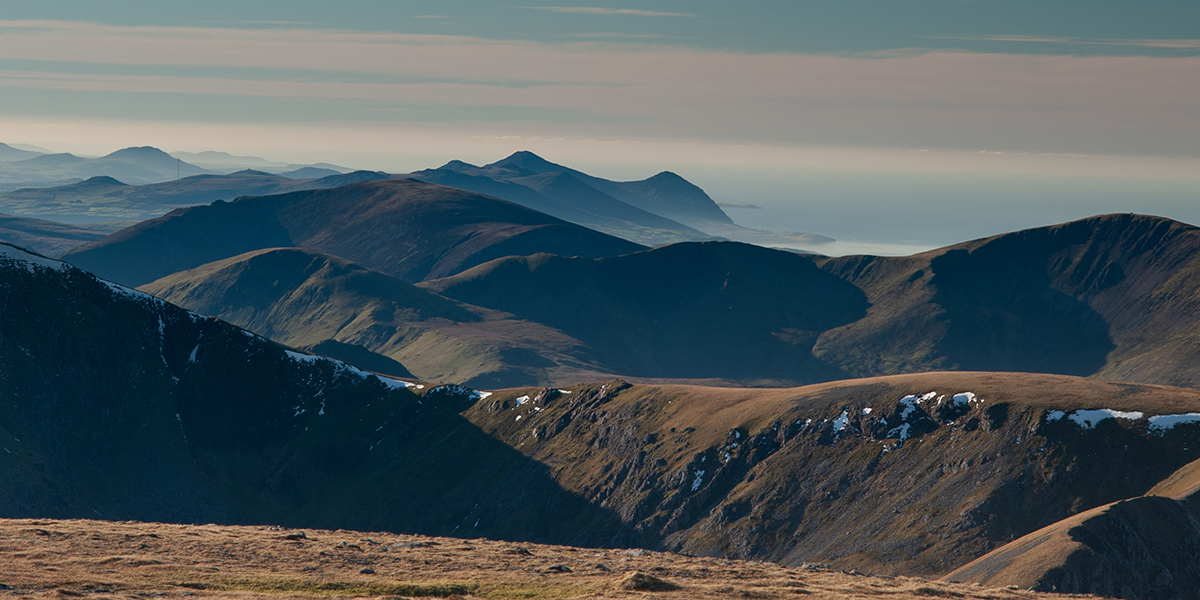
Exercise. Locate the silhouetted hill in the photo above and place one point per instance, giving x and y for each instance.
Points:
(405, 228)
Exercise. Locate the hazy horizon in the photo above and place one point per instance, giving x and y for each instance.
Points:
(887, 124)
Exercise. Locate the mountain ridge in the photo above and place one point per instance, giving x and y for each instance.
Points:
(405, 228)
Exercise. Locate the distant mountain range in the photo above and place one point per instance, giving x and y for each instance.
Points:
(144, 183)
(134, 166)
(405, 228)
(665, 208)
(103, 198)
(223, 162)
(131, 165)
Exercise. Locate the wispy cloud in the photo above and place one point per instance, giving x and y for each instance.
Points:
(616, 35)
(610, 12)
(1132, 104)
(1172, 44)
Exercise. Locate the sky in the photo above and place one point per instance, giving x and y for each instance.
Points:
(896, 125)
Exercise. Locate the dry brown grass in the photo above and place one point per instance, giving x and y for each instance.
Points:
(102, 560)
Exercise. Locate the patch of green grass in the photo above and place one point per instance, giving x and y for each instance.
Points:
(426, 589)
(530, 591)
(438, 589)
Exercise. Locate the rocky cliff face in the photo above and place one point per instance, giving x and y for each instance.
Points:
(905, 475)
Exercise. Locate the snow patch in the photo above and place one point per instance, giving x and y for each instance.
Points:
(394, 384)
(1162, 423)
(966, 399)
(121, 290)
(1088, 419)
(901, 432)
(304, 358)
(30, 261)
(910, 403)
(458, 390)
(192, 356)
(698, 481)
(842, 421)
(522, 400)
(867, 411)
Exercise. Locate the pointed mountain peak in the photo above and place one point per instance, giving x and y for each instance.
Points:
(672, 180)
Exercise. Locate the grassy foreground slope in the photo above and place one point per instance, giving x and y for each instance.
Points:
(405, 228)
(137, 560)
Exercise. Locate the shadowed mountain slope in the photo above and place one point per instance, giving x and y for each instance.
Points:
(693, 310)
(305, 299)
(1113, 296)
(405, 228)
(122, 406)
(1144, 547)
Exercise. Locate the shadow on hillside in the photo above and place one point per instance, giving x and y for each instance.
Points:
(1004, 314)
